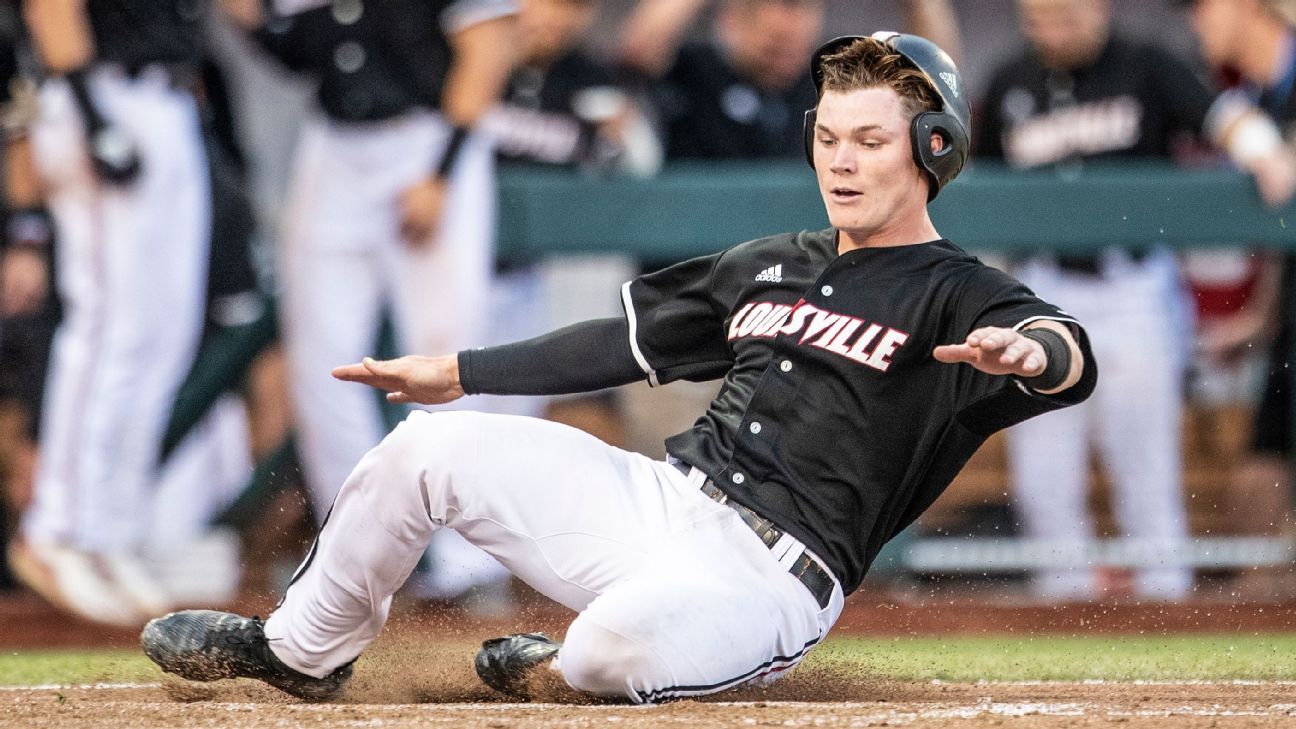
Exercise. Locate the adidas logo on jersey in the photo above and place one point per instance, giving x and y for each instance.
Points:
(773, 274)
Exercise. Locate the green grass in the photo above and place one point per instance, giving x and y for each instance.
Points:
(117, 665)
(1115, 658)
(1057, 658)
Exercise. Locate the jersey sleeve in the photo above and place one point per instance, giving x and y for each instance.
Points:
(677, 322)
(1185, 97)
(464, 13)
(988, 403)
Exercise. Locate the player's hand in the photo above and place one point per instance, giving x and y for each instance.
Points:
(409, 379)
(996, 351)
(24, 281)
(421, 211)
(1275, 177)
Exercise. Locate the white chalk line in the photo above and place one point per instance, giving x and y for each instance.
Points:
(80, 687)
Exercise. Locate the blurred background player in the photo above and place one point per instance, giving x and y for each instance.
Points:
(1081, 92)
(1255, 39)
(27, 311)
(391, 202)
(118, 146)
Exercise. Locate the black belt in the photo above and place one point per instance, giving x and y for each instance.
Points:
(815, 578)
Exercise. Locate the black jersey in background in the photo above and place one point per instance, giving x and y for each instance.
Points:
(374, 59)
(135, 33)
(710, 111)
(539, 121)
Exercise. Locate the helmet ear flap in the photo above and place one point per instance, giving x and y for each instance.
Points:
(807, 131)
(944, 164)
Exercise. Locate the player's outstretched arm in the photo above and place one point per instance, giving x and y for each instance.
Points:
(582, 357)
(409, 379)
(1000, 351)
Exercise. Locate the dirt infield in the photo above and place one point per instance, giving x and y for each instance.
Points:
(857, 704)
(422, 676)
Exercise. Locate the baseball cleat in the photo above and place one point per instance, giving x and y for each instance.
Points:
(206, 645)
(506, 663)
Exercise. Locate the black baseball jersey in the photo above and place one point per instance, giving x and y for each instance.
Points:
(538, 123)
(136, 33)
(834, 420)
(711, 111)
(1131, 101)
(375, 59)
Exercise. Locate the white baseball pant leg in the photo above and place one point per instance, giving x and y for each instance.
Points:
(1133, 421)
(132, 274)
(677, 596)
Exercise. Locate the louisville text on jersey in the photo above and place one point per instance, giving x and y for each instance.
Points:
(864, 342)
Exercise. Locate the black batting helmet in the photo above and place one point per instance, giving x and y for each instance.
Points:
(952, 122)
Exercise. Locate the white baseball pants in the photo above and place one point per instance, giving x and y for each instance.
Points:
(1132, 421)
(132, 266)
(677, 596)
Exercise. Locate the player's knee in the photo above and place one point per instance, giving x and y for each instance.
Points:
(601, 662)
(434, 442)
(416, 472)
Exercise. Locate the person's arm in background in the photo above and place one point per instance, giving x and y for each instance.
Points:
(474, 84)
(652, 34)
(936, 21)
(1230, 121)
(28, 230)
(1255, 144)
(24, 269)
(60, 30)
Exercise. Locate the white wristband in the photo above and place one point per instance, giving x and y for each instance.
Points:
(1251, 138)
(1239, 128)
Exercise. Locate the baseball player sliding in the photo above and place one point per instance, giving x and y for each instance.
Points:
(862, 366)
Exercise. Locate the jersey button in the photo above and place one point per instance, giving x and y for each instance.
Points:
(755, 428)
(786, 365)
(826, 291)
(738, 478)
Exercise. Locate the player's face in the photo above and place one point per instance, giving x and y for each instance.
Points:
(864, 162)
(1065, 33)
(771, 40)
(1218, 25)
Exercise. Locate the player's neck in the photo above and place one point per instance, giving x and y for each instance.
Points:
(897, 233)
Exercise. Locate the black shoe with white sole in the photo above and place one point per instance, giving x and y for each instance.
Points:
(206, 645)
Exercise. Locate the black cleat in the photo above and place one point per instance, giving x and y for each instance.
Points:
(206, 645)
(505, 663)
